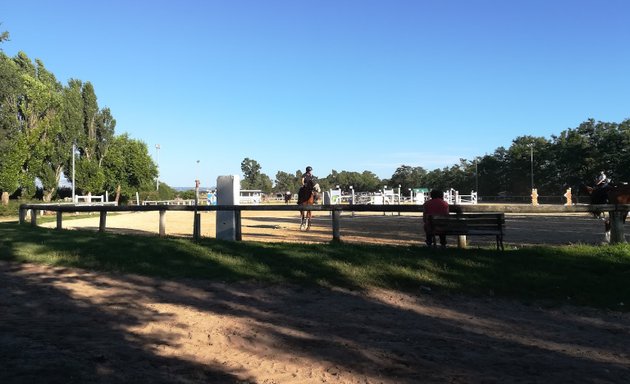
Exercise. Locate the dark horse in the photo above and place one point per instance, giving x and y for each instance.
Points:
(306, 196)
(617, 194)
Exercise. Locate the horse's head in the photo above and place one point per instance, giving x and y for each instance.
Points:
(317, 188)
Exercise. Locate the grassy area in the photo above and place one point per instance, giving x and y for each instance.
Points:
(11, 213)
(580, 275)
(10, 210)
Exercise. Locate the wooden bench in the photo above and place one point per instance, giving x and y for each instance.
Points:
(468, 224)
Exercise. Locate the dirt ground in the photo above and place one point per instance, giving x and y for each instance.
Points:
(62, 325)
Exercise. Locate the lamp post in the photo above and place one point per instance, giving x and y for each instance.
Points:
(197, 216)
(477, 176)
(197, 183)
(157, 160)
(531, 158)
(73, 189)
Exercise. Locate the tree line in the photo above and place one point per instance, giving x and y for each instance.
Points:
(575, 156)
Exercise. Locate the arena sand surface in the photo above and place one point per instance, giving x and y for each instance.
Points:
(63, 325)
(405, 229)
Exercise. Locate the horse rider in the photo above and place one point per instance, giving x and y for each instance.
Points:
(601, 182)
(308, 181)
(307, 178)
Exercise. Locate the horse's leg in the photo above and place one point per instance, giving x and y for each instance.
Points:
(308, 220)
(303, 221)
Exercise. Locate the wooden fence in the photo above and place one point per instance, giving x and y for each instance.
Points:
(617, 212)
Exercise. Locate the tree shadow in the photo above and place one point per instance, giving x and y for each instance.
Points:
(330, 330)
(55, 334)
(50, 335)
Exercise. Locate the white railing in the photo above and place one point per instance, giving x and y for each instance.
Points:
(93, 200)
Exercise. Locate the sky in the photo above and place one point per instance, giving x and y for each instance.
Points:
(345, 85)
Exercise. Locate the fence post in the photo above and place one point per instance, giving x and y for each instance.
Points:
(238, 233)
(33, 216)
(197, 225)
(101, 222)
(336, 214)
(616, 226)
(59, 214)
(162, 223)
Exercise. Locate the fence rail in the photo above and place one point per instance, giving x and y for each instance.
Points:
(617, 212)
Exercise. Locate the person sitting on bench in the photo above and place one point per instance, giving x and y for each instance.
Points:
(434, 206)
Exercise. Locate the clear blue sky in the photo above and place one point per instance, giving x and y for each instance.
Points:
(336, 84)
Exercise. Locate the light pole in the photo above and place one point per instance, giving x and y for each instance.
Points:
(197, 181)
(73, 189)
(477, 176)
(157, 160)
(531, 158)
(197, 216)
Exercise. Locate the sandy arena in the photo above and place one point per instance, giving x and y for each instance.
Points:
(406, 229)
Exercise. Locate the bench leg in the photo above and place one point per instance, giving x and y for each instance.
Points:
(499, 242)
(461, 241)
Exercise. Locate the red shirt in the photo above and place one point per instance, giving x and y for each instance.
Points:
(435, 207)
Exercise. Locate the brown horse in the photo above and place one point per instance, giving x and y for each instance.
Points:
(618, 194)
(307, 195)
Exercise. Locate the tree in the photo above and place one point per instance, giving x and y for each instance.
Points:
(39, 111)
(408, 177)
(54, 144)
(286, 182)
(490, 175)
(251, 173)
(88, 139)
(89, 177)
(4, 36)
(13, 152)
(253, 178)
(128, 165)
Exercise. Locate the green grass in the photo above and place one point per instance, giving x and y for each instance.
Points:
(12, 209)
(11, 213)
(69, 216)
(579, 275)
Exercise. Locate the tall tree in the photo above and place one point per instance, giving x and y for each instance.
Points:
(128, 165)
(286, 182)
(251, 173)
(253, 178)
(55, 147)
(90, 110)
(39, 109)
(13, 151)
(408, 177)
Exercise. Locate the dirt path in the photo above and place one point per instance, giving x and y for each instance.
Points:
(72, 326)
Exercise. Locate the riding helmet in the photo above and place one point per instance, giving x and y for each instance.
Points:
(308, 169)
